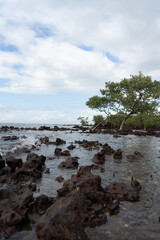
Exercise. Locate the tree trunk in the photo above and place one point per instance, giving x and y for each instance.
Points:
(124, 120)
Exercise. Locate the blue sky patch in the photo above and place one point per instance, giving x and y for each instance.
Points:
(4, 82)
(5, 47)
(42, 31)
(86, 48)
(112, 57)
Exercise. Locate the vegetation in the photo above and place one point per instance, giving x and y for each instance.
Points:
(99, 119)
(135, 96)
(83, 121)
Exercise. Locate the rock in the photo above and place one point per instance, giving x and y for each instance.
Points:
(59, 179)
(118, 154)
(21, 203)
(44, 140)
(99, 158)
(107, 149)
(134, 156)
(39, 207)
(71, 147)
(4, 193)
(62, 220)
(2, 162)
(136, 185)
(71, 163)
(47, 171)
(59, 141)
(84, 180)
(122, 192)
(10, 138)
(35, 161)
(58, 152)
(14, 162)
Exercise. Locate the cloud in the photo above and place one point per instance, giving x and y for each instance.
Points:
(52, 46)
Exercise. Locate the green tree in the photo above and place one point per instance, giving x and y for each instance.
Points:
(83, 121)
(98, 119)
(137, 94)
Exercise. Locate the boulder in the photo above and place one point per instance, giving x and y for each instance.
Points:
(71, 163)
(14, 162)
(118, 154)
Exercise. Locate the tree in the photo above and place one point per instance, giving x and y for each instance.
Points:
(83, 121)
(137, 94)
(98, 119)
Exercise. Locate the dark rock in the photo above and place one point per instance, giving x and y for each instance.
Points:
(14, 162)
(35, 161)
(39, 207)
(2, 162)
(118, 154)
(4, 193)
(134, 156)
(71, 147)
(21, 203)
(71, 163)
(99, 158)
(62, 220)
(107, 149)
(58, 152)
(44, 140)
(136, 185)
(10, 138)
(122, 192)
(59, 179)
(59, 141)
(47, 171)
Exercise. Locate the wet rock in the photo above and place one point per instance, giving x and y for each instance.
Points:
(31, 169)
(134, 156)
(136, 185)
(21, 203)
(84, 180)
(42, 128)
(35, 161)
(59, 179)
(118, 154)
(102, 170)
(44, 140)
(122, 192)
(14, 162)
(62, 220)
(59, 142)
(71, 163)
(107, 149)
(39, 207)
(4, 193)
(88, 145)
(71, 147)
(58, 152)
(14, 215)
(99, 158)
(47, 171)
(10, 138)
(2, 162)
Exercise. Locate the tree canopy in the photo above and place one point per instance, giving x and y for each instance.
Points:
(137, 94)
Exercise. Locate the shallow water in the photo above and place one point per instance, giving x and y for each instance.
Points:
(138, 220)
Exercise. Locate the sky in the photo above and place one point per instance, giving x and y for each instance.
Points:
(56, 54)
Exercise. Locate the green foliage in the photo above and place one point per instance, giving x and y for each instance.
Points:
(83, 121)
(135, 95)
(99, 119)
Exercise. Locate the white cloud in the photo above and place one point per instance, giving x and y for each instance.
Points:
(128, 30)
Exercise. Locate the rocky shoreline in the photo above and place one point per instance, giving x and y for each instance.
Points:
(81, 202)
